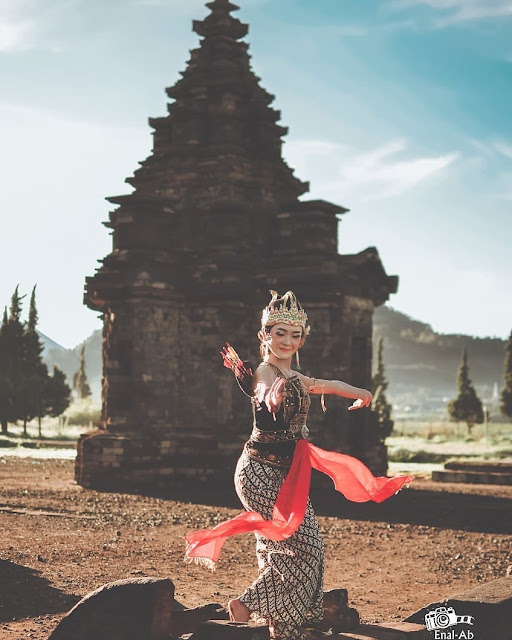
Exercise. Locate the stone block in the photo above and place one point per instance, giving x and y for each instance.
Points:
(489, 605)
(226, 630)
(107, 459)
(388, 631)
(477, 472)
(338, 616)
(133, 609)
(480, 465)
(122, 610)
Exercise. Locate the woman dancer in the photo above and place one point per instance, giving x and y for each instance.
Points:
(272, 479)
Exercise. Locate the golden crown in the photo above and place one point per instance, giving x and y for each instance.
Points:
(286, 309)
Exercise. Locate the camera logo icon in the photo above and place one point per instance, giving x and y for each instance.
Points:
(444, 617)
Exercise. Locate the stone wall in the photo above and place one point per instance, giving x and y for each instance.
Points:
(173, 413)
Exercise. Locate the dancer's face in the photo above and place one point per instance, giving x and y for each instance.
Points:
(284, 340)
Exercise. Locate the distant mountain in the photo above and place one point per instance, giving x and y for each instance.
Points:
(69, 359)
(48, 344)
(421, 365)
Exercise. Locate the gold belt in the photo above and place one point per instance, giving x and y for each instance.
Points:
(275, 460)
(294, 433)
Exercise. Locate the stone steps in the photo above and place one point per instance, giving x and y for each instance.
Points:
(488, 604)
(388, 631)
(145, 608)
(478, 472)
(480, 465)
(224, 630)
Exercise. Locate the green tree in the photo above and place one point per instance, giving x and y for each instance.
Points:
(11, 376)
(80, 382)
(467, 407)
(57, 393)
(4, 379)
(380, 404)
(35, 371)
(506, 394)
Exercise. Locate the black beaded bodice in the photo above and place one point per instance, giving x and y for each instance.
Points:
(278, 433)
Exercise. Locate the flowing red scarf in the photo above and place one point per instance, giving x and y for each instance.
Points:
(351, 478)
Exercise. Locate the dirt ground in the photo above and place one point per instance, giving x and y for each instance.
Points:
(60, 541)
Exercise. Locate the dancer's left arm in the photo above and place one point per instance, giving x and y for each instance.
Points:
(362, 397)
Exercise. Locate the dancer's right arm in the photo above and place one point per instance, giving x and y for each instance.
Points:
(269, 388)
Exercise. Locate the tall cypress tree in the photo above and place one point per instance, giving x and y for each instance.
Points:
(80, 382)
(35, 371)
(4, 378)
(467, 407)
(57, 394)
(380, 405)
(506, 394)
(12, 364)
(26, 389)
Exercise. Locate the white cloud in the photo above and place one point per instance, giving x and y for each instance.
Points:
(461, 10)
(491, 157)
(15, 36)
(504, 148)
(490, 149)
(482, 147)
(37, 24)
(389, 177)
(337, 171)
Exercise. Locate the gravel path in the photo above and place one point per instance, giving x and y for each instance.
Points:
(60, 541)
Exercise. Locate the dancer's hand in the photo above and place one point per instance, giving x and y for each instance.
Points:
(364, 400)
(275, 395)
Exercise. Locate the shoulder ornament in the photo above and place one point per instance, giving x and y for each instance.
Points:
(243, 369)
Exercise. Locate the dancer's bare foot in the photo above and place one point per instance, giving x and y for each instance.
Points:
(238, 612)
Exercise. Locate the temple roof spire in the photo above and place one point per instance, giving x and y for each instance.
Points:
(220, 22)
(221, 133)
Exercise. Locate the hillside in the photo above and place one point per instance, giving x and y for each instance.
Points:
(48, 344)
(421, 365)
(68, 360)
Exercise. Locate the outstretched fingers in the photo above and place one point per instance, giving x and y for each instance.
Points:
(362, 401)
(275, 396)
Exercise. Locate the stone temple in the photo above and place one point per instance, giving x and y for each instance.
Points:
(215, 220)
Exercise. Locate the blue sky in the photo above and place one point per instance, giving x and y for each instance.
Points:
(397, 109)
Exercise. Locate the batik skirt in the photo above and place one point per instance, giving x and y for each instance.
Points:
(288, 591)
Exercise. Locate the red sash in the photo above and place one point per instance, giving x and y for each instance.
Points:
(351, 478)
